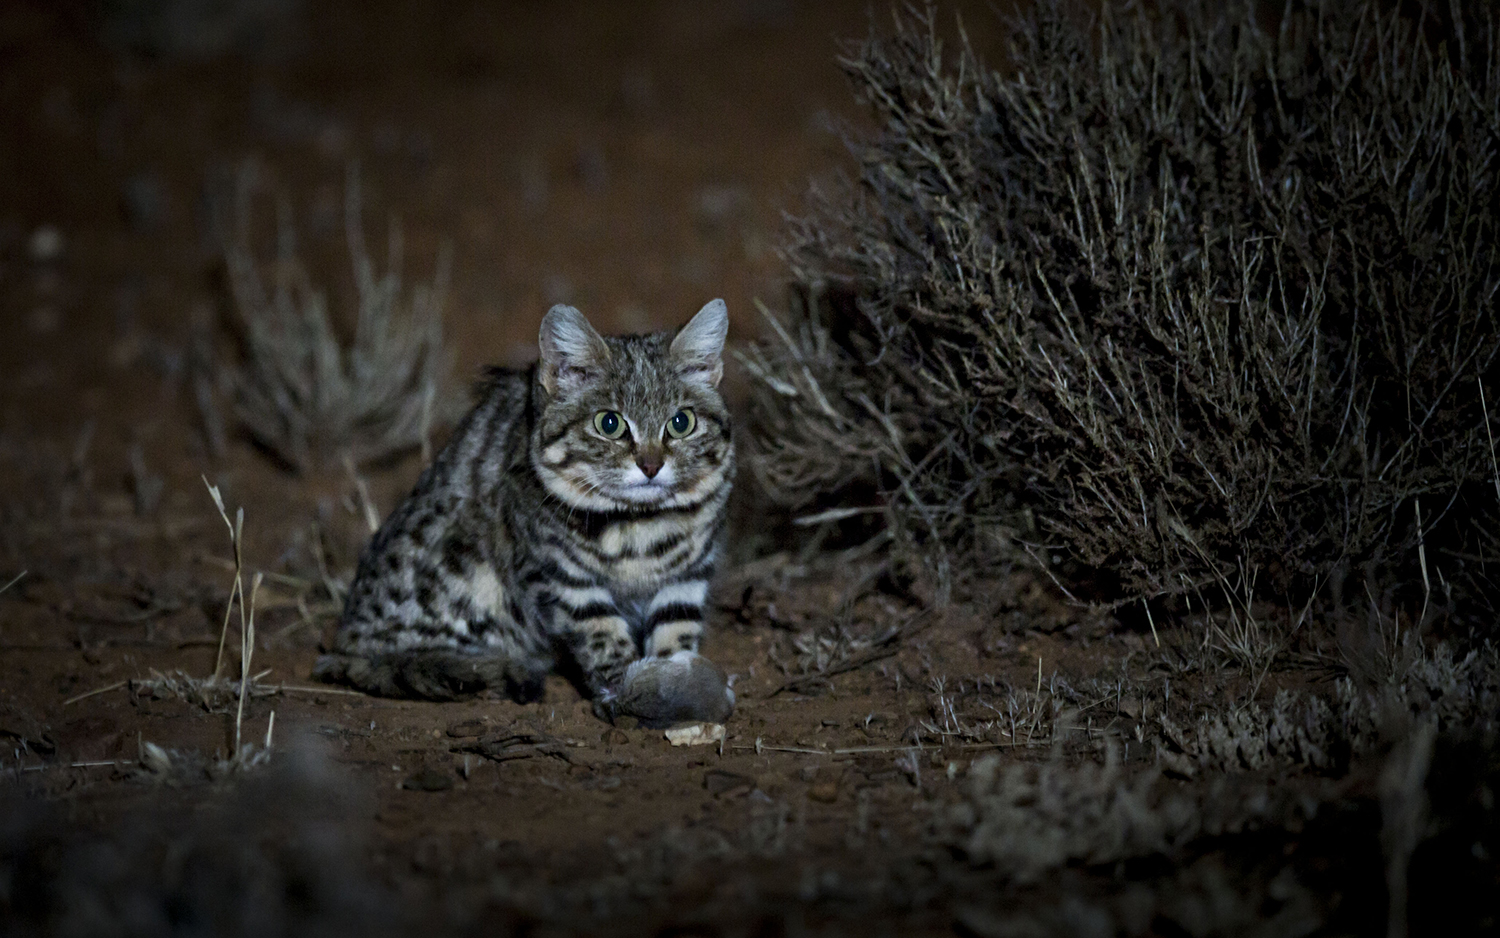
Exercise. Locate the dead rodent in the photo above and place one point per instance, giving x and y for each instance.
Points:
(681, 687)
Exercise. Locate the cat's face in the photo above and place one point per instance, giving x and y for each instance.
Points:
(634, 421)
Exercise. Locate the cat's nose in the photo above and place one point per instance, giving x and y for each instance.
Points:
(650, 463)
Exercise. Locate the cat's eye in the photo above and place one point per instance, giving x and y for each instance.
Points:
(610, 425)
(682, 423)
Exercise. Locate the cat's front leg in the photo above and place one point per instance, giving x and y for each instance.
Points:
(674, 618)
(673, 683)
(599, 638)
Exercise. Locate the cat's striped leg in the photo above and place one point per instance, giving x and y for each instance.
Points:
(597, 635)
(674, 618)
(674, 683)
(604, 649)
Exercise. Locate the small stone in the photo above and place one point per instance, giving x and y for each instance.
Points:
(465, 728)
(826, 791)
(429, 780)
(614, 737)
(719, 782)
(46, 244)
(695, 734)
(155, 759)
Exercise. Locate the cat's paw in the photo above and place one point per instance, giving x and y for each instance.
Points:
(680, 687)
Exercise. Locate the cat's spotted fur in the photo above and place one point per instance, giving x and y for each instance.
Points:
(548, 534)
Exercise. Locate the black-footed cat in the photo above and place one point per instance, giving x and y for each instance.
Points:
(572, 519)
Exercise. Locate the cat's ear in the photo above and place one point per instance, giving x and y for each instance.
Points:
(698, 349)
(572, 352)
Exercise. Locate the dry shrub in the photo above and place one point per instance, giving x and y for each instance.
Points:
(306, 393)
(1031, 819)
(1417, 761)
(1181, 291)
(1455, 693)
(1238, 854)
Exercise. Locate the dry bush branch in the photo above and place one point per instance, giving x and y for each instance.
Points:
(1184, 290)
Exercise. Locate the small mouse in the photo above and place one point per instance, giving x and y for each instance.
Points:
(677, 688)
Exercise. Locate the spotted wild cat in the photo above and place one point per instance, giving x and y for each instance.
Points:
(572, 522)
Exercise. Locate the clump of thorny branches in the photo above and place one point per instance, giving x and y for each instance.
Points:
(309, 394)
(1181, 289)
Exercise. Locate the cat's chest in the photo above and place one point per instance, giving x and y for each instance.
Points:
(634, 555)
(642, 537)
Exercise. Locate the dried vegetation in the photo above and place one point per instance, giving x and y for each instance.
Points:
(306, 392)
(1375, 778)
(1457, 693)
(1176, 292)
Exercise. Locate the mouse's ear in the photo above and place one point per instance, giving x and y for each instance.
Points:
(698, 349)
(572, 352)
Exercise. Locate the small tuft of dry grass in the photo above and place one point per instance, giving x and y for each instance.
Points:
(215, 693)
(306, 393)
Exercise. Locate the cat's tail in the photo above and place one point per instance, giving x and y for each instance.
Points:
(430, 673)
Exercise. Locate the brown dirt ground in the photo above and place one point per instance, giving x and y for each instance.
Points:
(632, 159)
